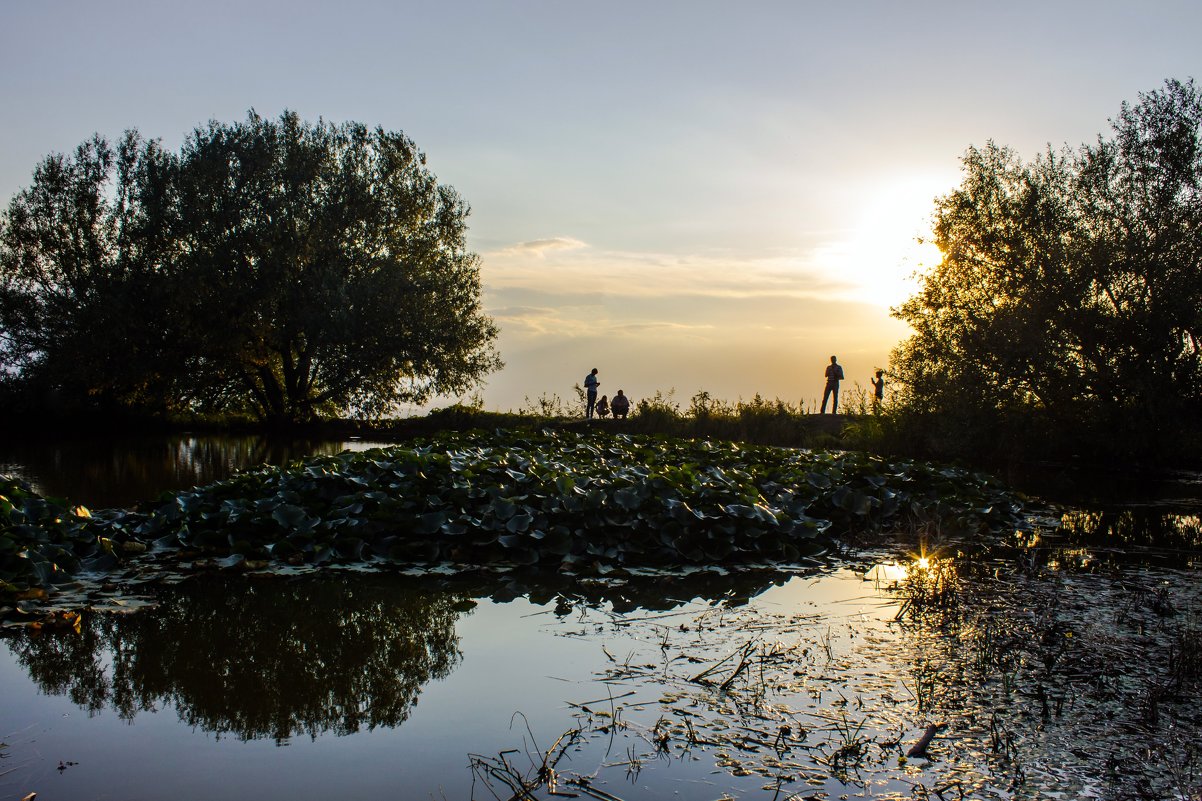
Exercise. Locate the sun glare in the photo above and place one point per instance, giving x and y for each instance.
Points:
(881, 252)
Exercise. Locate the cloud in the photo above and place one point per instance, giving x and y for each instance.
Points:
(541, 247)
(537, 321)
(522, 312)
(684, 316)
(731, 323)
(584, 270)
(657, 326)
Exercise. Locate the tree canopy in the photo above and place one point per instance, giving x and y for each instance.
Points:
(276, 267)
(1070, 289)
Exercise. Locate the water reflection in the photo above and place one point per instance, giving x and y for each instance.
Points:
(260, 659)
(108, 472)
(277, 657)
(1132, 527)
(660, 591)
(1040, 676)
(1114, 488)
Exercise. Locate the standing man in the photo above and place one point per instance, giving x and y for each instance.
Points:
(834, 374)
(590, 384)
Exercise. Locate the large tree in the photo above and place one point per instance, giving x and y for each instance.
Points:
(1070, 289)
(277, 266)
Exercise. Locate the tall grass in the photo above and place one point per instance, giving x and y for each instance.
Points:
(758, 420)
(859, 425)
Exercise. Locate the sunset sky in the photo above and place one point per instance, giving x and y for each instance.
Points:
(686, 195)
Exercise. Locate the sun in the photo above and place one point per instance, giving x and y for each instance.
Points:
(889, 241)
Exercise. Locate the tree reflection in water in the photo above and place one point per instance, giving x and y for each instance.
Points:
(260, 658)
(1135, 527)
(276, 657)
(122, 471)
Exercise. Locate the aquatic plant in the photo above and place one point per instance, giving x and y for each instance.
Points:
(577, 502)
(40, 538)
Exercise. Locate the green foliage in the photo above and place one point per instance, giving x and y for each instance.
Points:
(41, 539)
(549, 406)
(577, 502)
(659, 411)
(1067, 310)
(275, 266)
(775, 422)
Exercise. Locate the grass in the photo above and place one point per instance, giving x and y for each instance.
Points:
(758, 421)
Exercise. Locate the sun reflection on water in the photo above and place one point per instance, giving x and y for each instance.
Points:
(916, 568)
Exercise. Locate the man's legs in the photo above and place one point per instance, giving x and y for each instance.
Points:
(832, 393)
(592, 402)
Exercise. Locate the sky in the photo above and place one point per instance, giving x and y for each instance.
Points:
(688, 195)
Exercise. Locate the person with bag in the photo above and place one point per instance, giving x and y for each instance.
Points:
(590, 386)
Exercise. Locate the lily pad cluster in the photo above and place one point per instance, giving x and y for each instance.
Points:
(40, 538)
(579, 502)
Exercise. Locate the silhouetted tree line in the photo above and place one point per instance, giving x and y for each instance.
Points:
(1066, 315)
(276, 268)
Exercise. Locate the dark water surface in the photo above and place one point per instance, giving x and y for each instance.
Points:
(348, 687)
(103, 472)
(808, 682)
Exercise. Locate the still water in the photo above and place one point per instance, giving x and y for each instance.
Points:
(102, 472)
(801, 684)
(369, 687)
(1043, 659)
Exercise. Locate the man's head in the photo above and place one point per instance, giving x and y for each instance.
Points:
(594, 371)
(832, 360)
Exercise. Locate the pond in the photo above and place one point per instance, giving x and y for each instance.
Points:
(349, 687)
(106, 471)
(1064, 662)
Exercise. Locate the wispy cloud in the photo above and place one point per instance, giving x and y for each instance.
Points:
(658, 326)
(541, 247)
(562, 321)
(569, 265)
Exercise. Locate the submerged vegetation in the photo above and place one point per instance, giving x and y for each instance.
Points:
(1016, 668)
(576, 502)
(981, 679)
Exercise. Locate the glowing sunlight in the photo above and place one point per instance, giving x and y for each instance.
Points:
(882, 252)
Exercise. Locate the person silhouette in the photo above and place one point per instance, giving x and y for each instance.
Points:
(590, 385)
(878, 391)
(620, 405)
(602, 409)
(834, 374)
